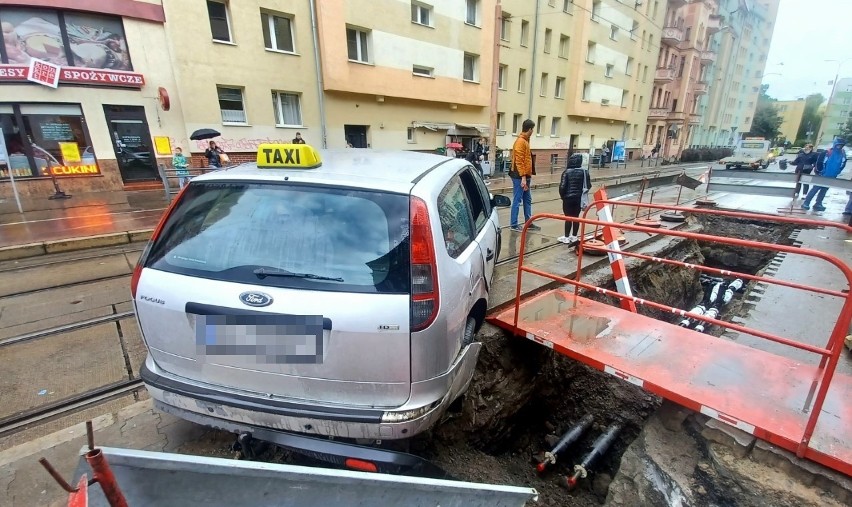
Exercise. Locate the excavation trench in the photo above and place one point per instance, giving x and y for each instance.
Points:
(524, 395)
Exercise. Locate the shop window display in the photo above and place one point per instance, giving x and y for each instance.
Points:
(94, 41)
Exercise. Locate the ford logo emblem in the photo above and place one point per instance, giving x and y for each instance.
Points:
(256, 298)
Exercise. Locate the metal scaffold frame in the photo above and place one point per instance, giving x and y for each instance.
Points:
(800, 407)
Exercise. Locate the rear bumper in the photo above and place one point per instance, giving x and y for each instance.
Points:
(214, 406)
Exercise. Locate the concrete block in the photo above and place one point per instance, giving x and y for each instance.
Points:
(142, 235)
(67, 245)
(21, 251)
(737, 440)
(672, 415)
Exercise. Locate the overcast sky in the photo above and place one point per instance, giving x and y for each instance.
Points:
(807, 33)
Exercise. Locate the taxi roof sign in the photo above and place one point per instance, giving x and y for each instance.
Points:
(287, 156)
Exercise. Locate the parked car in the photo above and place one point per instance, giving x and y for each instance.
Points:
(332, 293)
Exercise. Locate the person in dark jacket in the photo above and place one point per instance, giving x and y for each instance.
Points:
(575, 180)
(805, 162)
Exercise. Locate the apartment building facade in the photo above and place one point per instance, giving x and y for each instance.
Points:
(88, 99)
(581, 69)
(791, 112)
(742, 48)
(838, 111)
(680, 78)
(388, 74)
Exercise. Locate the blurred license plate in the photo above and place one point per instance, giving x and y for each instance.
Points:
(272, 339)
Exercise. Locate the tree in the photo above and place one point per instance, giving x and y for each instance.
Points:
(767, 121)
(846, 131)
(811, 118)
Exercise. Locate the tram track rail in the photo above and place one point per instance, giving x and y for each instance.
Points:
(45, 413)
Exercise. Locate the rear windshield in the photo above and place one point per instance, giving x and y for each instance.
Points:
(319, 237)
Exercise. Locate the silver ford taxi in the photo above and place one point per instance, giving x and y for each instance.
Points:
(332, 293)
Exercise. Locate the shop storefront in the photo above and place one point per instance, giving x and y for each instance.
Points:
(72, 105)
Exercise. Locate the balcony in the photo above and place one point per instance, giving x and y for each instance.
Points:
(700, 88)
(672, 36)
(694, 119)
(658, 113)
(714, 24)
(664, 75)
(708, 57)
(674, 4)
(676, 116)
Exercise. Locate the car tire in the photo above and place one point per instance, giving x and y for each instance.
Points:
(469, 332)
(728, 166)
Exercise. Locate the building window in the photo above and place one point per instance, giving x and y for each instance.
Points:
(410, 134)
(357, 42)
(522, 78)
(613, 32)
(624, 95)
(645, 74)
(516, 123)
(421, 14)
(46, 128)
(548, 34)
(641, 98)
(525, 33)
(277, 32)
(40, 33)
(560, 88)
(538, 125)
(650, 42)
(568, 6)
(609, 68)
(472, 12)
(628, 69)
(501, 77)
(543, 88)
(231, 105)
(220, 24)
(596, 11)
(564, 44)
(471, 67)
(554, 126)
(505, 24)
(419, 70)
(501, 121)
(590, 55)
(288, 109)
(633, 30)
(587, 90)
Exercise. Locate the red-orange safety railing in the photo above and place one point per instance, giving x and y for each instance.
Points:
(829, 354)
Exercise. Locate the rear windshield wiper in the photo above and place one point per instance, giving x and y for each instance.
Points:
(263, 273)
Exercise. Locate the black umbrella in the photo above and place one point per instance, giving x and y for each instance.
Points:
(200, 134)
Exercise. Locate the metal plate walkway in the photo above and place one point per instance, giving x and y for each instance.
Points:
(760, 393)
(801, 406)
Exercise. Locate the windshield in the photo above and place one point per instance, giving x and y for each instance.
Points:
(342, 239)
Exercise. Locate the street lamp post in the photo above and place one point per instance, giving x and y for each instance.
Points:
(831, 97)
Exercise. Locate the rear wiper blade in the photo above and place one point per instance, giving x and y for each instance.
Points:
(263, 273)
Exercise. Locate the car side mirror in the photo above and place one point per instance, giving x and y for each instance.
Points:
(501, 201)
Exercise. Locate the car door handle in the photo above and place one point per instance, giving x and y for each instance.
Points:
(489, 254)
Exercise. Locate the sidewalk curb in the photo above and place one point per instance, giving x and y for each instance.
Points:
(13, 252)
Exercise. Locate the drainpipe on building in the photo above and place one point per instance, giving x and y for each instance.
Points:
(318, 70)
(534, 59)
(495, 76)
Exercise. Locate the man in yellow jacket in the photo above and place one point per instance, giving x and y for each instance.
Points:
(521, 175)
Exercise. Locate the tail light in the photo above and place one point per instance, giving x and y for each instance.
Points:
(424, 268)
(137, 270)
(361, 465)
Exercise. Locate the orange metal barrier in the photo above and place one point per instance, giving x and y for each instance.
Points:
(837, 454)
